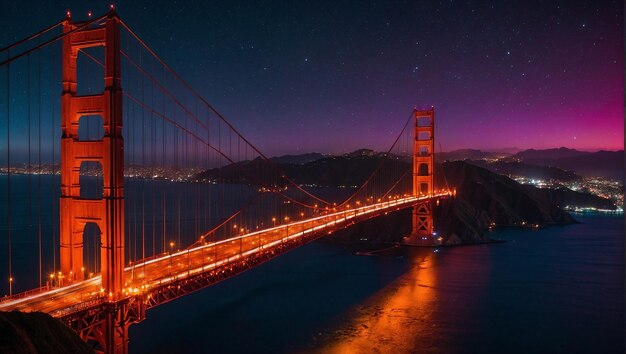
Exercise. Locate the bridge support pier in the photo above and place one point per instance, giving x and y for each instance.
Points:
(105, 327)
(422, 231)
(115, 333)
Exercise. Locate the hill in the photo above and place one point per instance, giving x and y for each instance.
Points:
(607, 164)
(527, 170)
(346, 170)
(548, 154)
(466, 154)
(483, 199)
(297, 159)
(37, 333)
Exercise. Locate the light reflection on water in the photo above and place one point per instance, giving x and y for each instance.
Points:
(556, 290)
(395, 318)
(435, 300)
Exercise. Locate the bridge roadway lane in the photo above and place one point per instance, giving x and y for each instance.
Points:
(142, 276)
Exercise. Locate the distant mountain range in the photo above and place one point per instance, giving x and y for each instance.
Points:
(314, 156)
(467, 154)
(298, 159)
(559, 163)
(549, 154)
(607, 164)
(346, 170)
(523, 169)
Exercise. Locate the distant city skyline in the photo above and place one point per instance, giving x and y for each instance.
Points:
(294, 78)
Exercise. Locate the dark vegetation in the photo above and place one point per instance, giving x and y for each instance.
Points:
(37, 333)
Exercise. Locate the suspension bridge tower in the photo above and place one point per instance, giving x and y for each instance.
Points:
(110, 328)
(423, 177)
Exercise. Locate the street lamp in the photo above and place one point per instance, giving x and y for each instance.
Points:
(10, 286)
(171, 252)
(202, 250)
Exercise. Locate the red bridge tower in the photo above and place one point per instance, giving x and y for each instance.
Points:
(423, 176)
(107, 212)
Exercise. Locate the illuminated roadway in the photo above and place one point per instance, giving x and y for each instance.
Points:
(169, 268)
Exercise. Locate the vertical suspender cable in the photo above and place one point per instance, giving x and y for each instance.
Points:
(152, 182)
(163, 196)
(39, 210)
(9, 250)
(143, 166)
(30, 188)
(195, 167)
(132, 197)
(54, 237)
(177, 168)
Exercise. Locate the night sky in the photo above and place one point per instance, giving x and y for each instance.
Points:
(334, 76)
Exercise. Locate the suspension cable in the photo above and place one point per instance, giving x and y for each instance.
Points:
(33, 36)
(50, 41)
(212, 109)
(217, 150)
(195, 135)
(379, 164)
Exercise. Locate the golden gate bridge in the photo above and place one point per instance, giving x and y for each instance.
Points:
(134, 191)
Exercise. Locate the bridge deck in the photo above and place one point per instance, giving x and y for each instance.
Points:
(144, 276)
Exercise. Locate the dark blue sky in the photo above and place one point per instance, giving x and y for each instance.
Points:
(337, 76)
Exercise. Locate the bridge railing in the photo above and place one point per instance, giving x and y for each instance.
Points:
(25, 294)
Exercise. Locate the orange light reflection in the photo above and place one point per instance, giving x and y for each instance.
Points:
(395, 319)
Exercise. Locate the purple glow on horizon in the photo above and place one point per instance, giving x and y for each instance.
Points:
(332, 78)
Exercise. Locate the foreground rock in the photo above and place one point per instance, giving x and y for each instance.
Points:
(37, 333)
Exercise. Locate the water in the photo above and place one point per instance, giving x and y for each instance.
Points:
(555, 290)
